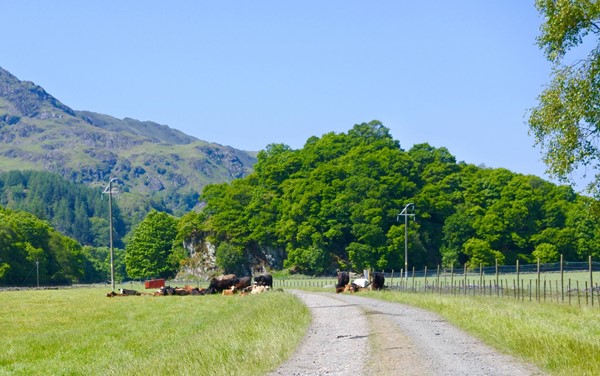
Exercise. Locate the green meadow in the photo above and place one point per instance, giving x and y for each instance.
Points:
(83, 332)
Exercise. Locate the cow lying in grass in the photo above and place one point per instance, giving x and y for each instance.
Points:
(186, 290)
(359, 284)
(254, 289)
(125, 292)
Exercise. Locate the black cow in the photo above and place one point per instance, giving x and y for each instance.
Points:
(264, 280)
(378, 281)
(129, 292)
(165, 290)
(343, 280)
(221, 283)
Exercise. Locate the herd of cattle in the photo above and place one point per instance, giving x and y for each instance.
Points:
(230, 284)
(344, 285)
(225, 284)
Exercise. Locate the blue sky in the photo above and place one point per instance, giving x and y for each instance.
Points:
(455, 74)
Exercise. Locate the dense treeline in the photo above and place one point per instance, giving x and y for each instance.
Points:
(335, 203)
(30, 249)
(73, 209)
(62, 229)
(332, 204)
(58, 228)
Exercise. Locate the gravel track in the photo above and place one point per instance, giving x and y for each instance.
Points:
(353, 335)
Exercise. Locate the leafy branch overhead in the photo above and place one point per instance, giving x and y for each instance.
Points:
(566, 120)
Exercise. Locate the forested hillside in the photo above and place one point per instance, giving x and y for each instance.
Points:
(156, 166)
(75, 210)
(335, 204)
(332, 204)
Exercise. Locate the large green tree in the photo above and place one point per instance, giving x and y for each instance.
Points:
(566, 121)
(28, 244)
(149, 252)
(335, 203)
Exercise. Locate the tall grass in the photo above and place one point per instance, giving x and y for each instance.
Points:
(561, 339)
(82, 332)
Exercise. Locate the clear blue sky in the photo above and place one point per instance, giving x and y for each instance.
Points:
(456, 74)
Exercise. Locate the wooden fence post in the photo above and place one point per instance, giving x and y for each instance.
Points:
(518, 277)
(562, 279)
(438, 277)
(538, 287)
(480, 277)
(465, 283)
(452, 279)
(497, 290)
(591, 280)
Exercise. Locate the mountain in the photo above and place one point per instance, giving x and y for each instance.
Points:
(153, 163)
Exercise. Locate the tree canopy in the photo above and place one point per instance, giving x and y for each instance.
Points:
(29, 245)
(334, 204)
(566, 120)
(149, 251)
(73, 209)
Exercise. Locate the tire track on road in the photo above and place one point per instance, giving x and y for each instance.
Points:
(354, 335)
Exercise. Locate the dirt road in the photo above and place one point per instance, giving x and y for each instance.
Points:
(353, 335)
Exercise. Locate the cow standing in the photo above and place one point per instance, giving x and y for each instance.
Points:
(264, 280)
(378, 281)
(343, 280)
(221, 283)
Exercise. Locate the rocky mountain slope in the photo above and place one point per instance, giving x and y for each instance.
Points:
(150, 161)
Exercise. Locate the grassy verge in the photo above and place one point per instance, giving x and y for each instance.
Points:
(560, 339)
(82, 332)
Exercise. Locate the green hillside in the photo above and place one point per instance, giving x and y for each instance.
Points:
(156, 165)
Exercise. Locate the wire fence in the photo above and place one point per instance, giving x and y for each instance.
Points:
(561, 282)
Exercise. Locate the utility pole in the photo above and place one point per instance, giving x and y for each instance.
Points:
(404, 213)
(109, 190)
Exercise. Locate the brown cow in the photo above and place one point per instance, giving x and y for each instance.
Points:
(241, 283)
(228, 292)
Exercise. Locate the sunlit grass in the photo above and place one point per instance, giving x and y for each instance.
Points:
(82, 332)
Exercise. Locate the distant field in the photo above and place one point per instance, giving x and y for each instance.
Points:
(82, 332)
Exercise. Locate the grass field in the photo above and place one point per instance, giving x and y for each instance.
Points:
(82, 332)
